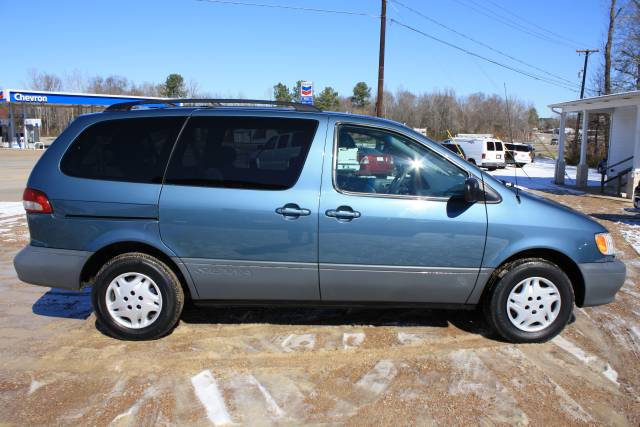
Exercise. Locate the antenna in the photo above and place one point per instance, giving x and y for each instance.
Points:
(515, 169)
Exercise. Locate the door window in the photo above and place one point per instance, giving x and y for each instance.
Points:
(370, 160)
(241, 152)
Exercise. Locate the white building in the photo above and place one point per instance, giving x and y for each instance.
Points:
(624, 135)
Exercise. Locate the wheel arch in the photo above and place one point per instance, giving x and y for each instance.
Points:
(104, 254)
(563, 261)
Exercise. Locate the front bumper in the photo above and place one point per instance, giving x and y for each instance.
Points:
(601, 281)
(55, 268)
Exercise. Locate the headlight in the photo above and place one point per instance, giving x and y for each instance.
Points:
(604, 241)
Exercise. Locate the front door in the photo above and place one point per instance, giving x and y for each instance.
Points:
(394, 225)
(241, 211)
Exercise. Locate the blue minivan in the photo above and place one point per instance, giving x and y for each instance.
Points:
(270, 203)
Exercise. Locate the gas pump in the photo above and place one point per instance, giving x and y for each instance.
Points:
(32, 132)
(4, 133)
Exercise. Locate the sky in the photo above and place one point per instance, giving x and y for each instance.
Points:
(236, 50)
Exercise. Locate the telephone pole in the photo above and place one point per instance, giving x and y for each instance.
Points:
(586, 52)
(383, 25)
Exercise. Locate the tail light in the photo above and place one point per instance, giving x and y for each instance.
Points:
(364, 161)
(35, 201)
(484, 155)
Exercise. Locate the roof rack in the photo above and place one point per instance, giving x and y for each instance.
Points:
(126, 106)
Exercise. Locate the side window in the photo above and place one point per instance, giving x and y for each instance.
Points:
(376, 161)
(132, 150)
(241, 152)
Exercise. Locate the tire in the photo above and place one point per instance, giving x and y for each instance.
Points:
(491, 168)
(519, 165)
(472, 161)
(510, 289)
(149, 283)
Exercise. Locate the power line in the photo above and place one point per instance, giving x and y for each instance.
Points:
(531, 23)
(417, 12)
(510, 23)
(282, 6)
(345, 12)
(484, 58)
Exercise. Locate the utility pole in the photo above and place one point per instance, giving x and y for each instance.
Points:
(586, 52)
(383, 25)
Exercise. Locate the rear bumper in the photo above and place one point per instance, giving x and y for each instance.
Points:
(601, 281)
(492, 164)
(55, 268)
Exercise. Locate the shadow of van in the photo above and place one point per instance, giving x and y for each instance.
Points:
(64, 304)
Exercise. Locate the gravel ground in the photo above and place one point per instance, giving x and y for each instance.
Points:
(316, 366)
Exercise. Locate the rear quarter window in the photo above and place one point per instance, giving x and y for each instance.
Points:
(131, 150)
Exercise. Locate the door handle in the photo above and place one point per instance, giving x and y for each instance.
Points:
(343, 213)
(292, 211)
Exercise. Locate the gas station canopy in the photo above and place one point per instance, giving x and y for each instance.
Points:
(64, 98)
(43, 98)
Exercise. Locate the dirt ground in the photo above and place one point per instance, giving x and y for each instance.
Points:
(312, 366)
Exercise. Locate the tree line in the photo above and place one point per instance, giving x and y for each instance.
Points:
(439, 112)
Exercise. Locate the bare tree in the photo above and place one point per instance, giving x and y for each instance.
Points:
(607, 47)
(627, 51)
(44, 81)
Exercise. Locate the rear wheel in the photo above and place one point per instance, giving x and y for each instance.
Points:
(532, 301)
(137, 297)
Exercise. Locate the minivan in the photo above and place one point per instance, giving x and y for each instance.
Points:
(155, 206)
(482, 150)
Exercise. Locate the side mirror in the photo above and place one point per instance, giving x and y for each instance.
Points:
(472, 191)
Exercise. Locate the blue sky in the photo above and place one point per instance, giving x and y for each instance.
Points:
(234, 50)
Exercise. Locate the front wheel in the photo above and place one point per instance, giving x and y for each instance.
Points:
(531, 302)
(137, 297)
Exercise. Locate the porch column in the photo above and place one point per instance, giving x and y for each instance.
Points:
(582, 172)
(560, 163)
(634, 175)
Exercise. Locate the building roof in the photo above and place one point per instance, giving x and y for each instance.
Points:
(604, 102)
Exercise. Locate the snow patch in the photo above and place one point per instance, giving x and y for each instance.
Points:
(8, 209)
(631, 233)
(352, 339)
(407, 338)
(378, 379)
(574, 350)
(207, 391)
(471, 376)
(593, 361)
(34, 386)
(540, 175)
(611, 374)
(272, 406)
(301, 342)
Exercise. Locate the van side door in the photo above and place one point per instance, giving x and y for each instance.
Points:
(405, 236)
(241, 213)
